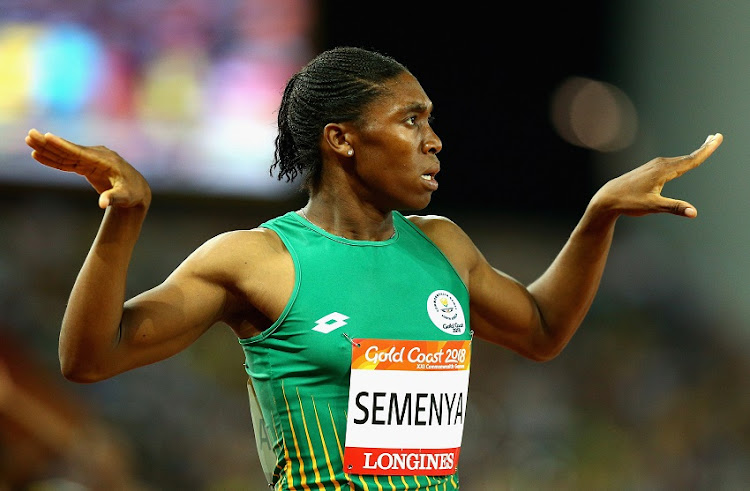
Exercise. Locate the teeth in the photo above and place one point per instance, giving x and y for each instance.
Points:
(427, 177)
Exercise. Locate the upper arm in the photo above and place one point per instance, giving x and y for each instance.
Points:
(166, 319)
(502, 310)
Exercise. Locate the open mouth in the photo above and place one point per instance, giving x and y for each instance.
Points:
(429, 180)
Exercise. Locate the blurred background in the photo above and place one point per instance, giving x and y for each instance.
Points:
(537, 107)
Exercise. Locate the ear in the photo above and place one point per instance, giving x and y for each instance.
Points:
(337, 137)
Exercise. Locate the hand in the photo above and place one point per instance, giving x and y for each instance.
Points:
(638, 192)
(116, 181)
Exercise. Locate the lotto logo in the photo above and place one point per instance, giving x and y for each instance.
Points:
(331, 322)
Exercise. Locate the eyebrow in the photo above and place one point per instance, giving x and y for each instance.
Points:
(417, 107)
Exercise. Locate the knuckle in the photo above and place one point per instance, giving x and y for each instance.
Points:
(676, 208)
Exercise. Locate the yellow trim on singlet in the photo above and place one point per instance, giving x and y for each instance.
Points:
(341, 450)
(309, 443)
(303, 477)
(325, 446)
(279, 468)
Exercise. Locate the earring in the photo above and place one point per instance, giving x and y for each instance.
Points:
(350, 152)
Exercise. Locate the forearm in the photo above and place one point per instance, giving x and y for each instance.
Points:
(90, 327)
(566, 290)
(539, 320)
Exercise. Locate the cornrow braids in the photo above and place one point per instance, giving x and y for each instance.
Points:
(332, 88)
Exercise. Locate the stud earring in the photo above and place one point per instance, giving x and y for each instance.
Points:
(350, 152)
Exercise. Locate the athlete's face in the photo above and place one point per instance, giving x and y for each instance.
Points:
(396, 149)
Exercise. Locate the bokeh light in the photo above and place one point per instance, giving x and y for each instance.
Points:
(593, 114)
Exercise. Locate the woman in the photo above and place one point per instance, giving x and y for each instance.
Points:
(356, 321)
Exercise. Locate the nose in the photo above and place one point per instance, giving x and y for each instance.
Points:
(432, 143)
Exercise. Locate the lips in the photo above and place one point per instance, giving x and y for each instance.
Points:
(429, 178)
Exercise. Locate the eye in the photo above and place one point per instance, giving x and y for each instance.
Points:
(412, 120)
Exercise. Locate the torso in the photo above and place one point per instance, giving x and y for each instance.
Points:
(344, 290)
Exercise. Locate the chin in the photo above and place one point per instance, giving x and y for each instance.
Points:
(416, 205)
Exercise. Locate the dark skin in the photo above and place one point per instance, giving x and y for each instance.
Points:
(386, 161)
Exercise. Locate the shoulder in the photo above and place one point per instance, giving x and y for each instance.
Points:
(256, 241)
(229, 253)
(438, 228)
(450, 239)
(431, 223)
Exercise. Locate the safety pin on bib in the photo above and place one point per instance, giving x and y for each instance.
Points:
(350, 340)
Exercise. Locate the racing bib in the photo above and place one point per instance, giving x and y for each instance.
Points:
(407, 403)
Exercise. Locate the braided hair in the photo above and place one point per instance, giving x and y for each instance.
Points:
(332, 88)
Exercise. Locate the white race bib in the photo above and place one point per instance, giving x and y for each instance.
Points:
(407, 404)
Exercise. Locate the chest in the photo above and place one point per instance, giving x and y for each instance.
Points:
(403, 289)
(367, 296)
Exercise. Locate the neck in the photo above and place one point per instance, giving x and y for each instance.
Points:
(351, 220)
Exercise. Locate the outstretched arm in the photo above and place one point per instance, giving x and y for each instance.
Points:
(538, 321)
(566, 290)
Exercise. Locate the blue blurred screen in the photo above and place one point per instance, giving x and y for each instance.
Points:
(186, 90)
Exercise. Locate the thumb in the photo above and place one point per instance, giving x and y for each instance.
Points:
(690, 212)
(117, 196)
(106, 198)
(680, 208)
(110, 197)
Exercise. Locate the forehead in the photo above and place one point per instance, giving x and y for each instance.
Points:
(402, 94)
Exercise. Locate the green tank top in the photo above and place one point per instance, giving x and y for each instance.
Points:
(300, 368)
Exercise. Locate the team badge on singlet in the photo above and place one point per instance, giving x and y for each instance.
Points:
(407, 403)
(446, 313)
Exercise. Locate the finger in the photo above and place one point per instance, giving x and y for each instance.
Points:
(34, 135)
(63, 162)
(66, 146)
(37, 141)
(678, 207)
(700, 154)
(55, 161)
(708, 147)
(53, 143)
(678, 166)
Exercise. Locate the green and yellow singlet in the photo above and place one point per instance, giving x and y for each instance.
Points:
(361, 383)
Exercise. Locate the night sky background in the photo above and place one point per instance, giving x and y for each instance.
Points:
(490, 73)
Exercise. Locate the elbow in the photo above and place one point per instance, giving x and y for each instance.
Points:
(543, 356)
(80, 373)
(81, 377)
(543, 352)
(549, 342)
(83, 363)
